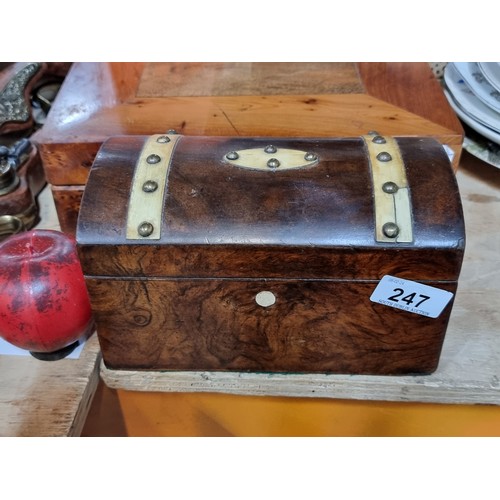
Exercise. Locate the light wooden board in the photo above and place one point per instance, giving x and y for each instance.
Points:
(469, 370)
(41, 398)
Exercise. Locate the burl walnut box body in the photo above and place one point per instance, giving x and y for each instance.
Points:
(337, 99)
(262, 254)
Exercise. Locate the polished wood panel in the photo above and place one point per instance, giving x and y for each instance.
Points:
(99, 100)
(217, 325)
(409, 87)
(67, 201)
(225, 221)
(187, 301)
(468, 371)
(243, 79)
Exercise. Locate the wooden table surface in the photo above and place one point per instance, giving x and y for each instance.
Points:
(47, 398)
(53, 398)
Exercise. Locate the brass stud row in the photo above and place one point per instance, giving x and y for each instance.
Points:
(273, 162)
(388, 169)
(145, 209)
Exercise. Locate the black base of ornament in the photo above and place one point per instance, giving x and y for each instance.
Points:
(56, 355)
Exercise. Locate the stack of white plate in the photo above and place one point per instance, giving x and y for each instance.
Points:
(473, 91)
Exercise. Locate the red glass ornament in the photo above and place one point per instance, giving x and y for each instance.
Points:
(44, 304)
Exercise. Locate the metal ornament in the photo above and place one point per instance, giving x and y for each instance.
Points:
(145, 229)
(378, 139)
(384, 156)
(150, 186)
(13, 105)
(258, 158)
(145, 207)
(233, 155)
(390, 187)
(153, 159)
(391, 192)
(8, 178)
(390, 229)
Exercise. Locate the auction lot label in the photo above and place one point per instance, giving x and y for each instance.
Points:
(411, 296)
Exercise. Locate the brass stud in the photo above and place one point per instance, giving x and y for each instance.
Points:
(150, 186)
(273, 163)
(310, 157)
(378, 139)
(270, 149)
(390, 229)
(152, 159)
(384, 156)
(390, 187)
(145, 229)
(163, 139)
(233, 155)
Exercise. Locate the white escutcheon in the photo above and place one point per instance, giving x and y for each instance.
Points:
(265, 299)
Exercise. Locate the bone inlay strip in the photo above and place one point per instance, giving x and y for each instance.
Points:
(145, 209)
(391, 205)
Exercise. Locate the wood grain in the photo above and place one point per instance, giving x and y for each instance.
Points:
(310, 223)
(99, 100)
(408, 86)
(67, 201)
(468, 371)
(243, 79)
(217, 325)
(186, 301)
(40, 398)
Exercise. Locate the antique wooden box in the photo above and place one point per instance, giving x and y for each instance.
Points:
(337, 99)
(263, 254)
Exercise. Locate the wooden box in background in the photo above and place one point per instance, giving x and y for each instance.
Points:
(99, 100)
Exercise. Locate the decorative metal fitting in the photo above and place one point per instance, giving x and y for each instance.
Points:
(145, 229)
(384, 156)
(9, 225)
(310, 157)
(163, 139)
(273, 163)
(390, 187)
(270, 149)
(172, 131)
(8, 178)
(152, 159)
(378, 139)
(150, 186)
(233, 155)
(373, 132)
(390, 229)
